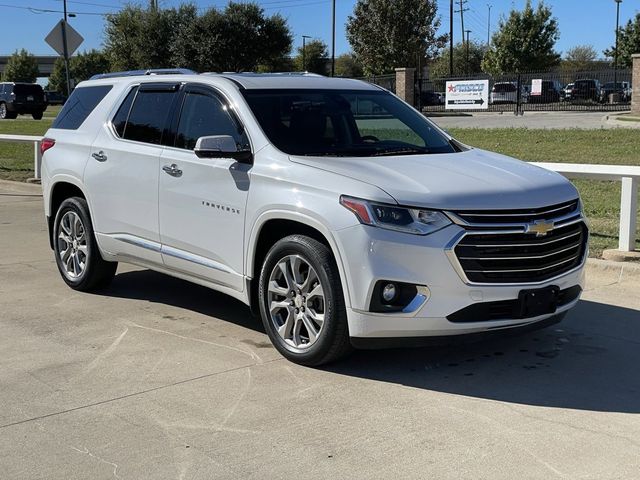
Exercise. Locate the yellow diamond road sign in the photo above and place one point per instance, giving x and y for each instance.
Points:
(55, 38)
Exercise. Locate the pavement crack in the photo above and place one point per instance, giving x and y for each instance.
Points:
(134, 394)
(110, 349)
(92, 455)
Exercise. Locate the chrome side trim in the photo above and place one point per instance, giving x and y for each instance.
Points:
(197, 259)
(137, 241)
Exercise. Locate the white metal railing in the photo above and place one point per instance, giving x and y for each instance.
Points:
(37, 156)
(628, 175)
(630, 178)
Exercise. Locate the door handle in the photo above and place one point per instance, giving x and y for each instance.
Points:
(100, 156)
(172, 170)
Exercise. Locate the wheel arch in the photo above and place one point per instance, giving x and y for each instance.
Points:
(59, 192)
(273, 226)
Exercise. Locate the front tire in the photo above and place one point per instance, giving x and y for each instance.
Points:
(76, 251)
(37, 116)
(301, 302)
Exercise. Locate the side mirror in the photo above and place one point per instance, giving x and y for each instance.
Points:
(221, 146)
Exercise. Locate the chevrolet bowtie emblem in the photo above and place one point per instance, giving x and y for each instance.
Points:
(539, 227)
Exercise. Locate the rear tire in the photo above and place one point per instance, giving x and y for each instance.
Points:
(301, 302)
(37, 116)
(76, 251)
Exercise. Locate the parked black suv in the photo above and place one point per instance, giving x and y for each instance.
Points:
(21, 99)
(587, 90)
(54, 98)
(551, 92)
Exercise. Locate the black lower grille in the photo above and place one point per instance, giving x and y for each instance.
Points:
(505, 309)
(521, 257)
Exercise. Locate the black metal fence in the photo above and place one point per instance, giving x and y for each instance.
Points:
(598, 90)
(595, 90)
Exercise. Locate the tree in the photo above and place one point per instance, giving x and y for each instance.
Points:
(347, 65)
(81, 67)
(385, 34)
(239, 38)
(21, 67)
(249, 38)
(524, 41)
(439, 68)
(140, 38)
(315, 57)
(628, 42)
(580, 57)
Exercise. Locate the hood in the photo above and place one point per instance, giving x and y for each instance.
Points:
(470, 180)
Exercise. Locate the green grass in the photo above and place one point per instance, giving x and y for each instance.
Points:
(601, 199)
(16, 159)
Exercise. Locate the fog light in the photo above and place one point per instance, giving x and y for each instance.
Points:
(389, 292)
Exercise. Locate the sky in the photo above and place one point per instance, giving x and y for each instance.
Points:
(25, 24)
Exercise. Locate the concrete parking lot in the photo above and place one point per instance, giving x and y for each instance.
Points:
(549, 120)
(155, 378)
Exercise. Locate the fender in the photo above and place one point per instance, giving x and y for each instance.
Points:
(305, 218)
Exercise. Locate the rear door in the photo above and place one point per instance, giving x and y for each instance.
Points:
(202, 200)
(122, 173)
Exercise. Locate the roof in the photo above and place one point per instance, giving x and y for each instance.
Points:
(288, 80)
(294, 80)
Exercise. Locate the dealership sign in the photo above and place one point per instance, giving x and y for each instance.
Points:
(467, 95)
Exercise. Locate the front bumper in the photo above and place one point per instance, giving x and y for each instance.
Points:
(370, 254)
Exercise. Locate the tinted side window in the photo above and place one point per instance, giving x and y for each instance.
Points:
(204, 115)
(148, 116)
(79, 106)
(120, 120)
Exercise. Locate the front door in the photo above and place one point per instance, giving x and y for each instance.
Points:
(202, 200)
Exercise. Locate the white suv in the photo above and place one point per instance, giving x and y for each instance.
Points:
(338, 212)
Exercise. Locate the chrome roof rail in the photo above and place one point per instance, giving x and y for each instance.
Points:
(151, 71)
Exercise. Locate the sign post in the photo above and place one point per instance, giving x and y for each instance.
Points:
(467, 95)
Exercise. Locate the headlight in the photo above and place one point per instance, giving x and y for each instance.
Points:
(391, 217)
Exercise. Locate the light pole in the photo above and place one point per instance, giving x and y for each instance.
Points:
(304, 52)
(65, 50)
(333, 40)
(489, 25)
(451, 38)
(615, 58)
(468, 32)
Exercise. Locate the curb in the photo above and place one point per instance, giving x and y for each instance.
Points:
(10, 186)
(625, 270)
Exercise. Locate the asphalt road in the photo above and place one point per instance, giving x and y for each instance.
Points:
(155, 378)
(549, 120)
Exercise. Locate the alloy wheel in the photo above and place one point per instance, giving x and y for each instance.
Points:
(296, 301)
(72, 245)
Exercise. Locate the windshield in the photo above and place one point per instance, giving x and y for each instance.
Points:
(27, 89)
(344, 123)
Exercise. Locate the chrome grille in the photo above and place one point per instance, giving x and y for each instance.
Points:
(480, 217)
(496, 257)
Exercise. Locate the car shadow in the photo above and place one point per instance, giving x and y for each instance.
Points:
(590, 361)
(159, 288)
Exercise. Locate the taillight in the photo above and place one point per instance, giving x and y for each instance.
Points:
(46, 144)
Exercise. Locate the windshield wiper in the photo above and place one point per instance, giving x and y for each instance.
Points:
(400, 151)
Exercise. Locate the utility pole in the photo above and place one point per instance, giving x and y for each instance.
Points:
(468, 32)
(65, 49)
(333, 40)
(461, 12)
(451, 38)
(304, 52)
(615, 58)
(489, 25)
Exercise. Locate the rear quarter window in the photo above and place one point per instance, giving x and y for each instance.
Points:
(79, 106)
